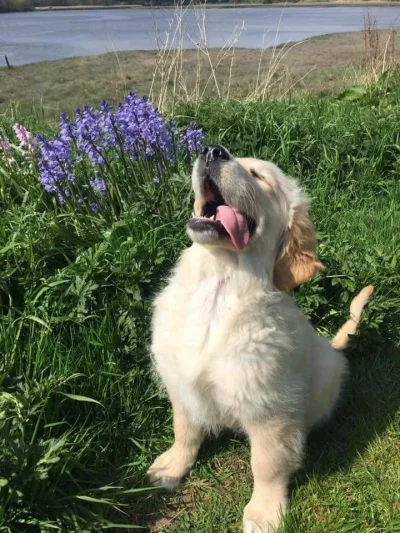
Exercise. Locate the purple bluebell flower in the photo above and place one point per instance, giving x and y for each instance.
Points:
(55, 163)
(98, 184)
(97, 139)
(191, 138)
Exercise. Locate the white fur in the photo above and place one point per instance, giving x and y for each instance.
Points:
(234, 352)
(232, 349)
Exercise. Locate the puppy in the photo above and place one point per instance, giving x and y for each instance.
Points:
(230, 346)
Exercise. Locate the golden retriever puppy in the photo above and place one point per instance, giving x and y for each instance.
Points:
(230, 346)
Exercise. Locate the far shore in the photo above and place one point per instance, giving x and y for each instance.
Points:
(334, 3)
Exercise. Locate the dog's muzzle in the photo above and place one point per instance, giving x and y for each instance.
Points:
(215, 152)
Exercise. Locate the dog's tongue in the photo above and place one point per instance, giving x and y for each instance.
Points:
(235, 224)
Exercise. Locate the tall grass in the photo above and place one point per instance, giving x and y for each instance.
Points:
(179, 77)
(80, 416)
(174, 82)
(380, 57)
(171, 80)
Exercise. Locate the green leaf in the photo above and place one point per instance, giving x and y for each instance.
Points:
(67, 234)
(139, 491)
(47, 287)
(94, 500)
(39, 321)
(122, 526)
(80, 398)
(54, 424)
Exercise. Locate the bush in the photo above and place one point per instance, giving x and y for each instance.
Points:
(16, 5)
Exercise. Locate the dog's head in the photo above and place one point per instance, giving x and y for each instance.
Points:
(249, 205)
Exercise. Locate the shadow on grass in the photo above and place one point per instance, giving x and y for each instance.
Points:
(370, 402)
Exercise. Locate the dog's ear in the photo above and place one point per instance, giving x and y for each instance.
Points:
(296, 261)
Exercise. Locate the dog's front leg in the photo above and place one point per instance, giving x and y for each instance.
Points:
(169, 468)
(276, 452)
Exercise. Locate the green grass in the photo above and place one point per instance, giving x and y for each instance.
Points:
(74, 330)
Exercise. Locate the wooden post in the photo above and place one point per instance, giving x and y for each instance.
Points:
(8, 63)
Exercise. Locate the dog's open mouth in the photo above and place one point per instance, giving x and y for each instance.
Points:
(227, 221)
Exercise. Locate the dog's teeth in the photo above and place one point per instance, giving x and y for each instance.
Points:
(212, 217)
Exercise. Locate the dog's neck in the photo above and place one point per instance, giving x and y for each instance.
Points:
(246, 269)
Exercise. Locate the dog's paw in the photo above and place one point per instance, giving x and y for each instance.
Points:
(256, 520)
(168, 470)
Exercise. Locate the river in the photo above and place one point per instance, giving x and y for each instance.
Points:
(47, 35)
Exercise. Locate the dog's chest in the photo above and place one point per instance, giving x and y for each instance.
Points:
(211, 354)
(190, 325)
(203, 320)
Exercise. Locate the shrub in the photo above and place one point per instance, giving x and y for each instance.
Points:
(16, 5)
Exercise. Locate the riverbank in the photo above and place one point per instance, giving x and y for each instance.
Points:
(321, 65)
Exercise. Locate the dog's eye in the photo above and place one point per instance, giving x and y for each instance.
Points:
(265, 179)
(254, 174)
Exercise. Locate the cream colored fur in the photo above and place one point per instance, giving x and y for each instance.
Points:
(233, 351)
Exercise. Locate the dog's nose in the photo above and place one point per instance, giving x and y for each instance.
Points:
(213, 152)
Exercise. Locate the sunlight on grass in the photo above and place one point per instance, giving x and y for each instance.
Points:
(80, 415)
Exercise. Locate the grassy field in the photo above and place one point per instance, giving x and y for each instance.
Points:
(322, 65)
(81, 417)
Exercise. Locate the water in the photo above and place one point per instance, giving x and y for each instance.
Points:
(40, 36)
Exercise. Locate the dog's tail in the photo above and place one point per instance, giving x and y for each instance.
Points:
(341, 339)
